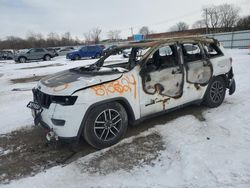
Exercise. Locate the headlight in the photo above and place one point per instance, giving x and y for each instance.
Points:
(64, 100)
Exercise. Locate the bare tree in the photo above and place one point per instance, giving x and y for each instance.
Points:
(199, 24)
(180, 26)
(229, 15)
(114, 35)
(87, 37)
(223, 16)
(66, 38)
(211, 16)
(53, 39)
(244, 23)
(144, 31)
(95, 34)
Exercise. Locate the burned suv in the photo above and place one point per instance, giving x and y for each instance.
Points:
(98, 101)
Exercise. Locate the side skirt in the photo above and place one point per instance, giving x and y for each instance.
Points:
(197, 102)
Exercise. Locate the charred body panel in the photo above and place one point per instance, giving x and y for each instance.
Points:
(162, 72)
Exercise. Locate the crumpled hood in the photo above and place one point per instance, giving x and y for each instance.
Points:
(67, 82)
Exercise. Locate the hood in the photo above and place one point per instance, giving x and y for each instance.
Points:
(67, 82)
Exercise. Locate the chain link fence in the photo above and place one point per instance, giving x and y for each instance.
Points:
(235, 39)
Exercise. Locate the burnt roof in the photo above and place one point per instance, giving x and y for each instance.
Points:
(154, 42)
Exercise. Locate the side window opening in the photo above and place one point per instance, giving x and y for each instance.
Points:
(162, 74)
(39, 50)
(191, 52)
(212, 50)
(164, 57)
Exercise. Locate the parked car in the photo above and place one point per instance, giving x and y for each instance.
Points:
(108, 49)
(52, 51)
(98, 101)
(6, 54)
(34, 54)
(64, 51)
(85, 52)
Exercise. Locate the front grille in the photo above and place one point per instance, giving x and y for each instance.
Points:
(41, 98)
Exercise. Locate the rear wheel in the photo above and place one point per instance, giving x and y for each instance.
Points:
(97, 56)
(22, 60)
(216, 92)
(47, 58)
(105, 125)
(77, 57)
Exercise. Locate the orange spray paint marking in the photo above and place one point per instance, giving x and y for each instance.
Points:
(61, 87)
(121, 86)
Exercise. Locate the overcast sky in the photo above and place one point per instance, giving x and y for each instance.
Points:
(18, 17)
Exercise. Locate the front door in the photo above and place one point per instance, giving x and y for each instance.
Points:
(162, 77)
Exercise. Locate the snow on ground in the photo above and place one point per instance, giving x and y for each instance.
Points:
(210, 153)
(13, 113)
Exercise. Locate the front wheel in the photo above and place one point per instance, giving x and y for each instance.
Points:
(47, 58)
(105, 125)
(216, 92)
(77, 57)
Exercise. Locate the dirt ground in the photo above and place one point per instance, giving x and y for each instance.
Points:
(26, 152)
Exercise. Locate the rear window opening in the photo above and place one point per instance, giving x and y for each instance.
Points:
(212, 50)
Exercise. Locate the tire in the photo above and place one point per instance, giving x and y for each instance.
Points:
(22, 59)
(47, 58)
(77, 57)
(100, 130)
(97, 56)
(215, 93)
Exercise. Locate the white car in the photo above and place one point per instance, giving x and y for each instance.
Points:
(64, 51)
(97, 102)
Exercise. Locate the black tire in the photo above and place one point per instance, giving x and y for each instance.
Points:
(22, 59)
(215, 93)
(97, 56)
(77, 57)
(101, 130)
(47, 58)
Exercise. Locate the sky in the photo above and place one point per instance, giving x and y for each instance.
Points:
(20, 17)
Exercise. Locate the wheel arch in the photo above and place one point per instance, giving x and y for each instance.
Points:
(47, 55)
(22, 56)
(124, 102)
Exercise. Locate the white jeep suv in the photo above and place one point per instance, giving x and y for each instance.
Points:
(98, 101)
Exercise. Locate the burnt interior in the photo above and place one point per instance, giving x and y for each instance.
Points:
(162, 73)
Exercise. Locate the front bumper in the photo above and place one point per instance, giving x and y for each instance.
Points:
(65, 121)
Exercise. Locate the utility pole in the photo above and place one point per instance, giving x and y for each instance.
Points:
(132, 31)
(206, 22)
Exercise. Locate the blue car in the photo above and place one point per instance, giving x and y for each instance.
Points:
(85, 52)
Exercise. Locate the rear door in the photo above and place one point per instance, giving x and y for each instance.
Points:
(198, 67)
(37, 53)
(92, 51)
(83, 51)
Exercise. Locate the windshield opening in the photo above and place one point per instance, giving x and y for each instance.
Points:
(126, 58)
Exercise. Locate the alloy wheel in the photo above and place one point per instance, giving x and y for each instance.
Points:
(107, 125)
(216, 91)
